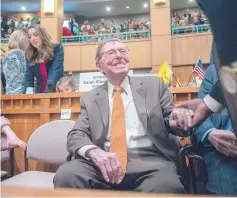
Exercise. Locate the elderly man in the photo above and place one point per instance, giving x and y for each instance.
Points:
(123, 139)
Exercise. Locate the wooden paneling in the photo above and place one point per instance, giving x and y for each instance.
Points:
(161, 49)
(81, 57)
(183, 73)
(160, 21)
(184, 93)
(139, 54)
(88, 57)
(72, 57)
(12, 191)
(187, 49)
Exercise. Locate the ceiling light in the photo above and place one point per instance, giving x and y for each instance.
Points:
(108, 9)
(145, 5)
(23, 8)
(127, 7)
(190, 0)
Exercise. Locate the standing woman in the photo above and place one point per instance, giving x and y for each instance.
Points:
(13, 67)
(44, 61)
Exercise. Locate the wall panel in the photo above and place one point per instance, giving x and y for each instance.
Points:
(187, 49)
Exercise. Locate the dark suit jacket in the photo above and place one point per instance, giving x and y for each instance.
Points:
(224, 33)
(154, 104)
(55, 70)
(216, 120)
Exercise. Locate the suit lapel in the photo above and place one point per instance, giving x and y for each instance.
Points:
(102, 102)
(139, 97)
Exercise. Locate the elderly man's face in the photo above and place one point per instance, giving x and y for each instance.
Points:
(114, 60)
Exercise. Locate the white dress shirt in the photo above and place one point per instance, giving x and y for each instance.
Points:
(212, 104)
(135, 133)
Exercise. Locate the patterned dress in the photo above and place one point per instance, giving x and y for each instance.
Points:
(14, 70)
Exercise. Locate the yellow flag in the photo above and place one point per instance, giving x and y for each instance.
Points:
(164, 72)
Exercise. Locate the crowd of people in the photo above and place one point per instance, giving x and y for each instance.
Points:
(106, 27)
(188, 19)
(97, 33)
(8, 26)
(75, 29)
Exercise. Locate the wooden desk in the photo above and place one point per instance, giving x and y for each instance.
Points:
(27, 112)
(34, 192)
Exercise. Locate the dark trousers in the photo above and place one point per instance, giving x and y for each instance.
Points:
(147, 171)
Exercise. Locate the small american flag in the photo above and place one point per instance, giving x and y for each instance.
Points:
(198, 69)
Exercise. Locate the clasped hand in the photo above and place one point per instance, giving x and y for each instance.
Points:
(189, 113)
(108, 163)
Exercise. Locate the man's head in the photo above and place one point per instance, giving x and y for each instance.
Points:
(112, 59)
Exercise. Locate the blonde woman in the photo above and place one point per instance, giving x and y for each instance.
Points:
(44, 61)
(14, 63)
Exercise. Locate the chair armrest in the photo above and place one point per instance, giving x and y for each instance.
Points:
(8, 148)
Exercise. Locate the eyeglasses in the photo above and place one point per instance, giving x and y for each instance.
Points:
(112, 53)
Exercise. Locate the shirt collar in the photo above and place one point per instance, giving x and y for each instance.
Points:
(124, 85)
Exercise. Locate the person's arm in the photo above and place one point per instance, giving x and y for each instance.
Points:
(56, 69)
(4, 122)
(29, 83)
(210, 78)
(79, 138)
(215, 100)
(166, 102)
(12, 139)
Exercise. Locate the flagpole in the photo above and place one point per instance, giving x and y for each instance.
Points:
(177, 80)
(190, 79)
(193, 71)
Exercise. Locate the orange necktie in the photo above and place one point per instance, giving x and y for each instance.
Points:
(118, 142)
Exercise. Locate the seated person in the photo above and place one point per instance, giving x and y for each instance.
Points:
(12, 139)
(66, 84)
(124, 139)
(218, 143)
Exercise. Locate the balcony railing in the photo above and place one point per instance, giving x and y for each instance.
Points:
(176, 30)
(5, 40)
(103, 37)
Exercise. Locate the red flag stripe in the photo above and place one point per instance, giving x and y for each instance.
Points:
(199, 72)
(200, 75)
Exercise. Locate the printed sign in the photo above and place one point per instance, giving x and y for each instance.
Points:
(66, 114)
(91, 80)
